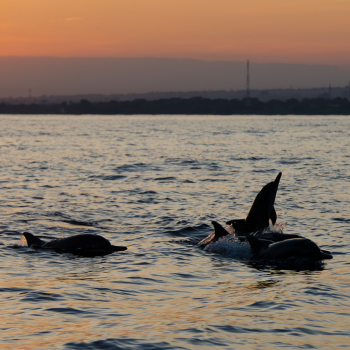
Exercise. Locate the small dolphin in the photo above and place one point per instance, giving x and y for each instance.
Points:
(84, 244)
(219, 232)
(300, 248)
(261, 211)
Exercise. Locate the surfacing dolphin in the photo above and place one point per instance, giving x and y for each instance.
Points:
(219, 232)
(261, 211)
(84, 244)
(298, 248)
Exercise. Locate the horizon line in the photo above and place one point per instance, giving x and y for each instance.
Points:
(178, 59)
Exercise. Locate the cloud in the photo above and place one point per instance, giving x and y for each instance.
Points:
(70, 19)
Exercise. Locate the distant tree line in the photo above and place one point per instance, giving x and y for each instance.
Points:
(195, 105)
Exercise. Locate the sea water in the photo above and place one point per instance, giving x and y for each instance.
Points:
(154, 184)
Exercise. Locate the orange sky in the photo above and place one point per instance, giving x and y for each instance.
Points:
(294, 31)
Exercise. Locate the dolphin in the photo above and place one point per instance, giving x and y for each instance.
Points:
(271, 236)
(300, 248)
(219, 232)
(84, 244)
(261, 211)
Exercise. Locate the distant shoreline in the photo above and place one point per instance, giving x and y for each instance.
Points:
(186, 106)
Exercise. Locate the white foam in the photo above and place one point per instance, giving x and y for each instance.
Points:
(232, 247)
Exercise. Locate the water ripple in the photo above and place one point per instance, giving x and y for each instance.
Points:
(154, 184)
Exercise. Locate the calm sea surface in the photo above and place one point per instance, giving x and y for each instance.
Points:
(155, 183)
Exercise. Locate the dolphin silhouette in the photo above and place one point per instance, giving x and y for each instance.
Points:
(219, 232)
(84, 244)
(300, 248)
(261, 211)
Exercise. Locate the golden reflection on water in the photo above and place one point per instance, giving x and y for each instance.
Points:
(168, 313)
(174, 309)
(175, 176)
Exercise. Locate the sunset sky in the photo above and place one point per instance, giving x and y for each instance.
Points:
(290, 31)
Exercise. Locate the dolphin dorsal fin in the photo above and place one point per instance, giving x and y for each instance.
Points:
(32, 240)
(273, 216)
(219, 231)
(257, 245)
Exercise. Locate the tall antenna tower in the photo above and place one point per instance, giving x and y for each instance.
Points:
(248, 84)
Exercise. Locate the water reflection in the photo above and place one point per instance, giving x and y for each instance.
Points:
(281, 267)
(176, 175)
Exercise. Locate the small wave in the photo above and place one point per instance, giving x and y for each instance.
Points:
(181, 161)
(291, 264)
(225, 132)
(14, 290)
(125, 344)
(148, 201)
(69, 220)
(288, 161)
(185, 241)
(167, 178)
(68, 310)
(40, 296)
(341, 219)
(214, 180)
(11, 232)
(235, 158)
(189, 161)
(108, 177)
(294, 160)
(79, 222)
(130, 167)
(189, 230)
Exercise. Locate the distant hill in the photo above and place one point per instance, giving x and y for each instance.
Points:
(186, 106)
(53, 76)
(262, 95)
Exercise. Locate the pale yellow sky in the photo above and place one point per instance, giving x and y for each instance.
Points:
(293, 31)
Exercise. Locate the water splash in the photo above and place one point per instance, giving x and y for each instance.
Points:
(230, 246)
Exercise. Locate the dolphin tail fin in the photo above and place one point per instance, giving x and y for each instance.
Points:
(219, 231)
(257, 245)
(32, 240)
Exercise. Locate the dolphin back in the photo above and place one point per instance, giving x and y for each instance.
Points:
(78, 241)
(300, 248)
(258, 245)
(85, 244)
